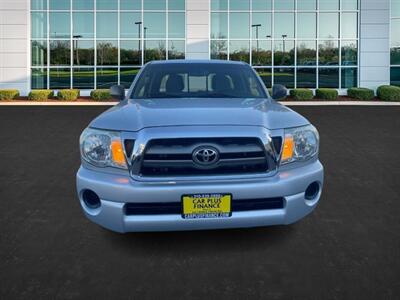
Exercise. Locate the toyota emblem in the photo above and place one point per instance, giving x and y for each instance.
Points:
(205, 156)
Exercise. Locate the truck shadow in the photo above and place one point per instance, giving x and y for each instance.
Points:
(226, 240)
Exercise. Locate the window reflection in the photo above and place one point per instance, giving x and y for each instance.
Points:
(284, 53)
(307, 25)
(349, 25)
(176, 4)
(107, 25)
(219, 4)
(349, 5)
(349, 78)
(83, 52)
(176, 49)
(328, 78)
(395, 76)
(83, 4)
(306, 53)
(261, 25)
(239, 51)
(176, 25)
(60, 78)
(154, 4)
(39, 78)
(107, 53)
(39, 53)
(83, 23)
(261, 53)
(106, 77)
(130, 52)
(83, 78)
(154, 24)
(128, 28)
(154, 50)
(239, 4)
(60, 52)
(59, 4)
(284, 5)
(284, 25)
(219, 49)
(239, 26)
(328, 53)
(395, 8)
(329, 4)
(130, 4)
(395, 42)
(329, 27)
(39, 25)
(261, 5)
(38, 4)
(307, 5)
(307, 78)
(219, 25)
(349, 53)
(106, 5)
(60, 25)
(284, 76)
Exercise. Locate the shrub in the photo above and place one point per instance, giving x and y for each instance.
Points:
(8, 94)
(327, 94)
(302, 94)
(389, 93)
(360, 93)
(100, 95)
(68, 95)
(40, 95)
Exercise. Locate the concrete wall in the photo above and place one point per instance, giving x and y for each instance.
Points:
(374, 43)
(14, 45)
(197, 29)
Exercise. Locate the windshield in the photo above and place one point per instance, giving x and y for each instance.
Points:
(198, 80)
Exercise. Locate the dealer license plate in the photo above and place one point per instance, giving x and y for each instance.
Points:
(199, 206)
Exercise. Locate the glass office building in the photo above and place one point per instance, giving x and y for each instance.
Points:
(93, 44)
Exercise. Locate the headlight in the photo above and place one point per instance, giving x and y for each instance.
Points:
(300, 144)
(102, 148)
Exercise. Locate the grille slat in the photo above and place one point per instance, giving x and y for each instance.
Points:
(173, 157)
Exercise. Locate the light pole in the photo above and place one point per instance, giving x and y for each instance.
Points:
(144, 37)
(283, 39)
(256, 26)
(76, 37)
(139, 24)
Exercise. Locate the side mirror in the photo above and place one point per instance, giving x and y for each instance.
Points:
(117, 92)
(279, 92)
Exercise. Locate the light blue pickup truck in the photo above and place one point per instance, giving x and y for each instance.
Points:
(198, 145)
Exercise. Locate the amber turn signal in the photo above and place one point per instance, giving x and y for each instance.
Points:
(288, 148)
(117, 153)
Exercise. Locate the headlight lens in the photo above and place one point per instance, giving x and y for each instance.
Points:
(300, 144)
(102, 148)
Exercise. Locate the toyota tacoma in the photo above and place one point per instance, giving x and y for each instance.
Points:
(198, 145)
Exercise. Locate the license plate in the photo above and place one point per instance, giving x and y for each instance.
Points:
(200, 206)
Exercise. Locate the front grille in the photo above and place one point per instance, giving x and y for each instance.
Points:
(173, 157)
(175, 208)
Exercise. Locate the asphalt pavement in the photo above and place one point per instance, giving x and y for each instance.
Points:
(348, 248)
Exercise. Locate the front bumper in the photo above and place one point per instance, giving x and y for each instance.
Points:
(116, 190)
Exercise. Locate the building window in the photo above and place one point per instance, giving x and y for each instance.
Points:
(395, 43)
(298, 43)
(89, 44)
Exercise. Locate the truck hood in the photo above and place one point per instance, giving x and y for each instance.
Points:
(134, 115)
